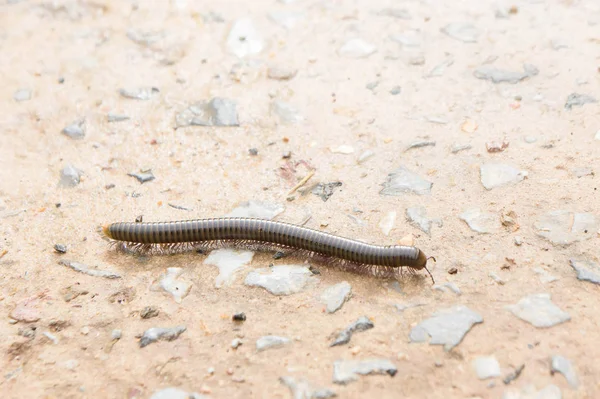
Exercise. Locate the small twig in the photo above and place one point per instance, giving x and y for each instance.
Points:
(303, 181)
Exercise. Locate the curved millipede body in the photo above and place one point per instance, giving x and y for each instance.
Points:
(239, 230)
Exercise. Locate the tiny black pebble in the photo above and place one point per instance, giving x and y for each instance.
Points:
(60, 248)
(61, 80)
(314, 270)
(139, 219)
(287, 155)
(109, 186)
(253, 151)
(278, 255)
(239, 316)
(58, 204)
(452, 270)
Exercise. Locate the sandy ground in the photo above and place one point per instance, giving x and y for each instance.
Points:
(72, 57)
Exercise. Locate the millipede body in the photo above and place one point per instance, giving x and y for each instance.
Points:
(239, 230)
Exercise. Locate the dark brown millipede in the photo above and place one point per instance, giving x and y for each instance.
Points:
(165, 236)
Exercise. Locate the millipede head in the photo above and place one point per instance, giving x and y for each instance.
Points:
(422, 263)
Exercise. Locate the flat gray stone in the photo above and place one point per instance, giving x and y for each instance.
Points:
(403, 181)
(176, 393)
(539, 311)
(155, 334)
(244, 39)
(586, 270)
(22, 95)
(462, 31)
(286, 19)
(562, 227)
(215, 112)
(303, 389)
(171, 284)
(75, 130)
(480, 222)
(495, 75)
(530, 392)
(271, 342)
(417, 216)
(446, 327)
(281, 280)
(345, 371)
(486, 367)
(356, 48)
(256, 209)
(497, 174)
(139, 93)
(70, 176)
(335, 296)
(286, 113)
(579, 100)
(563, 365)
(143, 176)
(448, 286)
(229, 261)
(362, 324)
(112, 117)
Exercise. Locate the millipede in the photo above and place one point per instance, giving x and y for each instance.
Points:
(352, 255)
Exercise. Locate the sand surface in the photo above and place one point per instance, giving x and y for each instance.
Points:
(315, 84)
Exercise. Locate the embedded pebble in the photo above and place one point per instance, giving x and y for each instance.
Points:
(479, 221)
(143, 176)
(402, 307)
(539, 311)
(399, 13)
(139, 93)
(155, 334)
(27, 310)
(22, 95)
(495, 75)
(239, 317)
(217, 111)
(578, 100)
(456, 148)
(149, 312)
(440, 120)
(451, 286)
(256, 209)
(286, 19)
(545, 277)
(357, 48)
(281, 73)
(176, 393)
(70, 176)
(395, 90)
(446, 327)
(403, 181)
(334, 297)
(177, 288)
(325, 190)
(271, 342)
(498, 174)
(285, 112)
(51, 337)
(362, 324)
(486, 367)
(496, 278)
(346, 371)
(440, 68)
(417, 215)
(282, 279)
(420, 144)
(562, 227)
(229, 261)
(111, 117)
(236, 343)
(409, 39)
(582, 172)
(563, 365)
(81, 268)
(597, 135)
(71, 364)
(587, 270)
(342, 149)
(303, 389)
(462, 31)
(366, 155)
(244, 39)
(387, 222)
(75, 130)
(116, 334)
(518, 241)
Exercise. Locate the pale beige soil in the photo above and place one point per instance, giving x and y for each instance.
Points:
(210, 171)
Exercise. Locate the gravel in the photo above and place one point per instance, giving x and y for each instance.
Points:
(539, 311)
(362, 324)
(229, 262)
(282, 279)
(156, 334)
(403, 181)
(346, 371)
(271, 342)
(334, 297)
